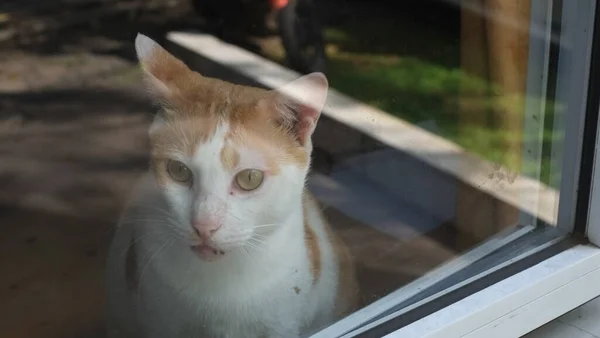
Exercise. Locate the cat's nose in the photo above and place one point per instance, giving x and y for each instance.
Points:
(206, 228)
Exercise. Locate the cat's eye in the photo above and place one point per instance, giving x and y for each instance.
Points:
(249, 179)
(179, 171)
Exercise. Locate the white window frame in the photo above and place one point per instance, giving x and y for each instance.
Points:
(520, 303)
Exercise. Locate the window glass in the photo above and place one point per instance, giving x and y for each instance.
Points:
(140, 198)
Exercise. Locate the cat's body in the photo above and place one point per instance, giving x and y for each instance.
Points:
(203, 250)
(294, 286)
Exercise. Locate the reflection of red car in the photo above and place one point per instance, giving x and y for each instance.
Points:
(297, 25)
(278, 4)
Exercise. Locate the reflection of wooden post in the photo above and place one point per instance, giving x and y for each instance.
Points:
(509, 51)
(495, 48)
(509, 46)
(472, 110)
(473, 59)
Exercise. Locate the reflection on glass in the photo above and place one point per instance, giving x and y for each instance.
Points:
(142, 199)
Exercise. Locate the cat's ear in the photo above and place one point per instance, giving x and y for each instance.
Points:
(300, 104)
(161, 69)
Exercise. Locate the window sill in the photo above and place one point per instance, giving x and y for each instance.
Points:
(520, 303)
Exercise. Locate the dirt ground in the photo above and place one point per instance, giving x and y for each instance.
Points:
(73, 123)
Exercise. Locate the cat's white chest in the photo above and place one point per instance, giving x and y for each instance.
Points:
(236, 306)
(184, 299)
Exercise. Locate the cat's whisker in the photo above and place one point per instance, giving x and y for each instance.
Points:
(243, 249)
(259, 236)
(229, 242)
(176, 228)
(169, 221)
(167, 242)
(173, 228)
(254, 246)
(150, 220)
(162, 213)
(234, 216)
(140, 204)
(264, 226)
(247, 254)
(139, 238)
(258, 240)
(147, 208)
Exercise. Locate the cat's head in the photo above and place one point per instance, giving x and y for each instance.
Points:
(230, 160)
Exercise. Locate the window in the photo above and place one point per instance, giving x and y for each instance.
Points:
(455, 157)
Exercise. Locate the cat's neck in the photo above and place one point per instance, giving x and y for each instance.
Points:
(290, 229)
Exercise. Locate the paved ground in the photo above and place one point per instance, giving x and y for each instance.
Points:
(72, 130)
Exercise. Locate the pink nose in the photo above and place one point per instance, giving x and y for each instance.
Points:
(206, 229)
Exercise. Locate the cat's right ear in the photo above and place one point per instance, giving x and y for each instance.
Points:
(162, 71)
(300, 103)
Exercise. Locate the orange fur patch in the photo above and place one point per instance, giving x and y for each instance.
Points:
(314, 252)
(348, 294)
(179, 133)
(348, 290)
(230, 158)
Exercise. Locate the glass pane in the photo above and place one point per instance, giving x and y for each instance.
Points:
(142, 199)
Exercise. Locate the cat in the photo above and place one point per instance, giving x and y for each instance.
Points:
(221, 237)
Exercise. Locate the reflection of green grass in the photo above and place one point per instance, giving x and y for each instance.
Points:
(418, 91)
(411, 70)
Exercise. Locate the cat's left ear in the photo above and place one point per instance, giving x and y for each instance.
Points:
(163, 72)
(300, 104)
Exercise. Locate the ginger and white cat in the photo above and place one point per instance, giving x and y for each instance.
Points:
(221, 237)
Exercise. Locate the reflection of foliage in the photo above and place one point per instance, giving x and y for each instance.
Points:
(418, 90)
(411, 70)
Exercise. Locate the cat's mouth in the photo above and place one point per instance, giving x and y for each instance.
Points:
(207, 252)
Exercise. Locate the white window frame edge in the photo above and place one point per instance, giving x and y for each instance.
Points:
(431, 299)
(520, 303)
(574, 60)
(537, 89)
(593, 222)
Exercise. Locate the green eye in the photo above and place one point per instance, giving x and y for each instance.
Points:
(249, 179)
(179, 171)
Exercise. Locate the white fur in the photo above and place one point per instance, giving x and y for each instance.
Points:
(144, 47)
(261, 287)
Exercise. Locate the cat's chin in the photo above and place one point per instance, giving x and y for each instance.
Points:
(207, 253)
